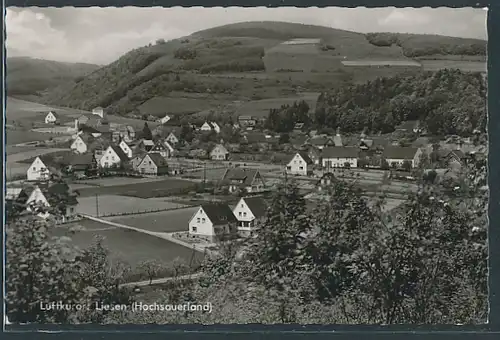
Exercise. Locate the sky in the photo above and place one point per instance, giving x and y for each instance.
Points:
(101, 35)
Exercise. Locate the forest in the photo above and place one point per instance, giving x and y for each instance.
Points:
(346, 261)
(446, 102)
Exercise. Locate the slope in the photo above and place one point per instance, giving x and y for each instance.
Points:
(29, 76)
(229, 63)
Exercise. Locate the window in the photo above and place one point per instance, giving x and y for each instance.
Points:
(107, 158)
(198, 220)
(300, 162)
(244, 214)
(193, 229)
(34, 168)
(242, 205)
(239, 214)
(203, 220)
(112, 158)
(301, 168)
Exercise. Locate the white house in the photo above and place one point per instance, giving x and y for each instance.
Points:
(36, 197)
(172, 139)
(248, 180)
(113, 156)
(126, 148)
(215, 126)
(79, 145)
(395, 156)
(212, 220)
(163, 120)
(161, 148)
(249, 211)
(98, 111)
(219, 153)
(38, 171)
(340, 157)
(206, 127)
(300, 164)
(51, 117)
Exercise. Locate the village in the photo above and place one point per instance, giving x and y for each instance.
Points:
(108, 171)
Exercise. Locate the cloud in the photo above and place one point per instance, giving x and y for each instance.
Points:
(101, 35)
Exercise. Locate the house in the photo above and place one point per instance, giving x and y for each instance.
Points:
(314, 154)
(172, 138)
(206, 127)
(249, 211)
(219, 153)
(126, 148)
(340, 157)
(82, 120)
(145, 145)
(51, 118)
(153, 164)
(215, 127)
(124, 132)
(98, 111)
(246, 121)
(113, 156)
(212, 221)
(247, 180)
(38, 171)
(321, 142)
(84, 143)
(395, 156)
(300, 164)
(137, 159)
(325, 181)
(453, 158)
(163, 120)
(161, 148)
(81, 165)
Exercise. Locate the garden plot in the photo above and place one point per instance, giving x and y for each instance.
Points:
(106, 205)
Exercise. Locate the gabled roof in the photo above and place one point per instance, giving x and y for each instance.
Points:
(340, 152)
(54, 113)
(119, 152)
(219, 213)
(399, 152)
(304, 156)
(257, 205)
(322, 140)
(246, 175)
(220, 146)
(160, 145)
(159, 161)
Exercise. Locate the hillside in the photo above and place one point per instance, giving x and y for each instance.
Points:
(29, 76)
(249, 62)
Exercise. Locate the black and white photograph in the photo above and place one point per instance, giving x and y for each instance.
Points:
(195, 165)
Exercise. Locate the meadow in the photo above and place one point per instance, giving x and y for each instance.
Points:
(166, 221)
(260, 108)
(128, 246)
(117, 205)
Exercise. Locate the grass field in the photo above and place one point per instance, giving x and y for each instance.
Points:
(112, 181)
(160, 188)
(158, 106)
(209, 174)
(260, 108)
(471, 66)
(129, 246)
(114, 204)
(13, 137)
(167, 221)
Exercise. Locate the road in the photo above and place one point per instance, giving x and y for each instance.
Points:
(161, 281)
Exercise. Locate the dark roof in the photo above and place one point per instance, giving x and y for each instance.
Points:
(219, 213)
(119, 152)
(159, 161)
(257, 205)
(399, 152)
(305, 157)
(245, 175)
(340, 152)
(298, 140)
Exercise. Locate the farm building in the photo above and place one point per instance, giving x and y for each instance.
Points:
(51, 118)
(395, 156)
(113, 156)
(212, 220)
(219, 153)
(38, 171)
(153, 164)
(300, 164)
(340, 157)
(246, 180)
(249, 212)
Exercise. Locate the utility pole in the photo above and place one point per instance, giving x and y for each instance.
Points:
(97, 205)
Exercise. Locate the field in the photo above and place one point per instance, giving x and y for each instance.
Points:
(260, 108)
(159, 106)
(13, 137)
(166, 221)
(160, 188)
(114, 204)
(112, 181)
(129, 246)
(472, 66)
(209, 174)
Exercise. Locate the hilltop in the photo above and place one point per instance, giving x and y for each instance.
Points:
(214, 68)
(29, 76)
